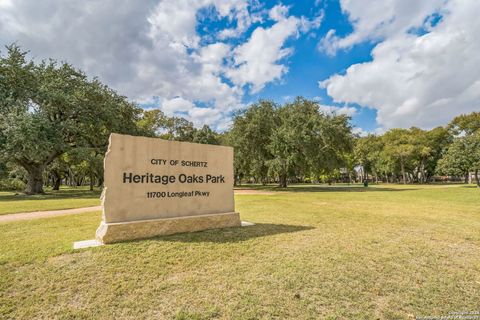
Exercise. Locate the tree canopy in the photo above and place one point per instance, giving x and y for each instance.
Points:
(55, 123)
(293, 141)
(50, 108)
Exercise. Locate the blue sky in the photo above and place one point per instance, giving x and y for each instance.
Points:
(307, 65)
(386, 63)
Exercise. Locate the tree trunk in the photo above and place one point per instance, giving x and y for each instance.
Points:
(35, 173)
(264, 181)
(466, 177)
(477, 179)
(79, 181)
(283, 180)
(403, 171)
(91, 182)
(56, 183)
(35, 180)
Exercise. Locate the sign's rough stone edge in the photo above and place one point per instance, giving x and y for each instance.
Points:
(143, 229)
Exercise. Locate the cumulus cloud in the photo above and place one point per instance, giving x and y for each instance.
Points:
(379, 19)
(212, 56)
(176, 105)
(418, 79)
(363, 133)
(345, 110)
(278, 12)
(245, 18)
(359, 131)
(152, 48)
(258, 61)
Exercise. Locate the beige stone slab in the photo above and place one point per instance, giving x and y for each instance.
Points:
(121, 231)
(158, 187)
(129, 158)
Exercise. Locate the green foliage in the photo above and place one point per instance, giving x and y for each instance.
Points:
(48, 109)
(55, 123)
(465, 123)
(12, 184)
(436, 140)
(463, 154)
(367, 152)
(251, 136)
(154, 123)
(12, 177)
(151, 122)
(292, 141)
(308, 141)
(206, 135)
(411, 154)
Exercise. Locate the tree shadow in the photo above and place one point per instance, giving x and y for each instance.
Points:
(344, 189)
(53, 195)
(324, 188)
(232, 235)
(469, 186)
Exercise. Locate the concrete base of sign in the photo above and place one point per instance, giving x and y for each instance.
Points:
(123, 231)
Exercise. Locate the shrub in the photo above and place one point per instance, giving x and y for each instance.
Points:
(12, 184)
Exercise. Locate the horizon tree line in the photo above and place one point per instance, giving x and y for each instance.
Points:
(55, 124)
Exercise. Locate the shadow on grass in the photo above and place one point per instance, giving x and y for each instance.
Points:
(470, 186)
(323, 188)
(53, 195)
(343, 189)
(231, 235)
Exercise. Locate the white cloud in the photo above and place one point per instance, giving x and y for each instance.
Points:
(278, 12)
(176, 105)
(359, 131)
(345, 110)
(181, 29)
(418, 80)
(200, 116)
(379, 19)
(244, 18)
(177, 18)
(212, 56)
(363, 133)
(259, 60)
(152, 49)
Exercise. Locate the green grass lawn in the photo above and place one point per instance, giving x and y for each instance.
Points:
(65, 198)
(383, 252)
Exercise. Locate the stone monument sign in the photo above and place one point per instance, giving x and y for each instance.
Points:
(159, 187)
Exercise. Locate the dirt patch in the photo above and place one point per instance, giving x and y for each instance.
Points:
(54, 213)
(45, 214)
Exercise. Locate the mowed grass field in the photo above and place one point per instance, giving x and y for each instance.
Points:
(65, 198)
(315, 252)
